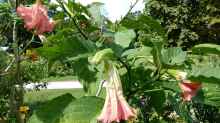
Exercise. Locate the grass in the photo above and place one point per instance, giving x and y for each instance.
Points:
(41, 96)
(32, 97)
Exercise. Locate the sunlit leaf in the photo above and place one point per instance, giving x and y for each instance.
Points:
(206, 49)
(205, 74)
(173, 56)
(124, 38)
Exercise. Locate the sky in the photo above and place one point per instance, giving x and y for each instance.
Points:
(115, 9)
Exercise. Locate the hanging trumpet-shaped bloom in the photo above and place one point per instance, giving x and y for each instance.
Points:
(189, 89)
(36, 17)
(116, 107)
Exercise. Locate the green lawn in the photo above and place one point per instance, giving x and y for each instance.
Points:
(45, 95)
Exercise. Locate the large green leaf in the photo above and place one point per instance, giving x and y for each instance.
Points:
(83, 110)
(157, 98)
(173, 56)
(206, 49)
(85, 72)
(64, 44)
(124, 37)
(209, 94)
(51, 111)
(205, 74)
(66, 109)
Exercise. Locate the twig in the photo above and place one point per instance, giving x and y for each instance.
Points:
(131, 7)
(71, 15)
(10, 64)
(27, 45)
(13, 60)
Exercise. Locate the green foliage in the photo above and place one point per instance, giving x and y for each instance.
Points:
(206, 49)
(211, 94)
(62, 45)
(3, 60)
(144, 22)
(173, 56)
(103, 55)
(84, 72)
(206, 74)
(34, 71)
(83, 110)
(124, 37)
(96, 11)
(142, 46)
(65, 109)
(138, 52)
(186, 22)
(51, 111)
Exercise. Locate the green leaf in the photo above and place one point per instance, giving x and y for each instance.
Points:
(170, 85)
(205, 74)
(96, 11)
(206, 49)
(157, 99)
(64, 44)
(180, 108)
(173, 56)
(51, 111)
(144, 22)
(210, 94)
(105, 54)
(83, 110)
(3, 60)
(124, 38)
(85, 72)
(66, 109)
(138, 52)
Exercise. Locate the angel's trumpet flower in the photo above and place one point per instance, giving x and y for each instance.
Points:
(116, 107)
(36, 18)
(189, 89)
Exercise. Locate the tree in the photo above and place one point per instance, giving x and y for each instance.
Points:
(187, 22)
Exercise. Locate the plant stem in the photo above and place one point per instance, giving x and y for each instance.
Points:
(27, 45)
(131, 7)
(71, 15)
(100, 87)
(20, 53)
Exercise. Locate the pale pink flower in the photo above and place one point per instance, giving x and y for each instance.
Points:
(189, 89)
(116, 107)
(36, 18)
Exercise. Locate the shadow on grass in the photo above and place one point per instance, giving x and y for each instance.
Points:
(51, 111)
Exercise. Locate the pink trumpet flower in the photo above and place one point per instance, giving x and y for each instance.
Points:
(116, 107)
(189, 89)
(36, 18)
